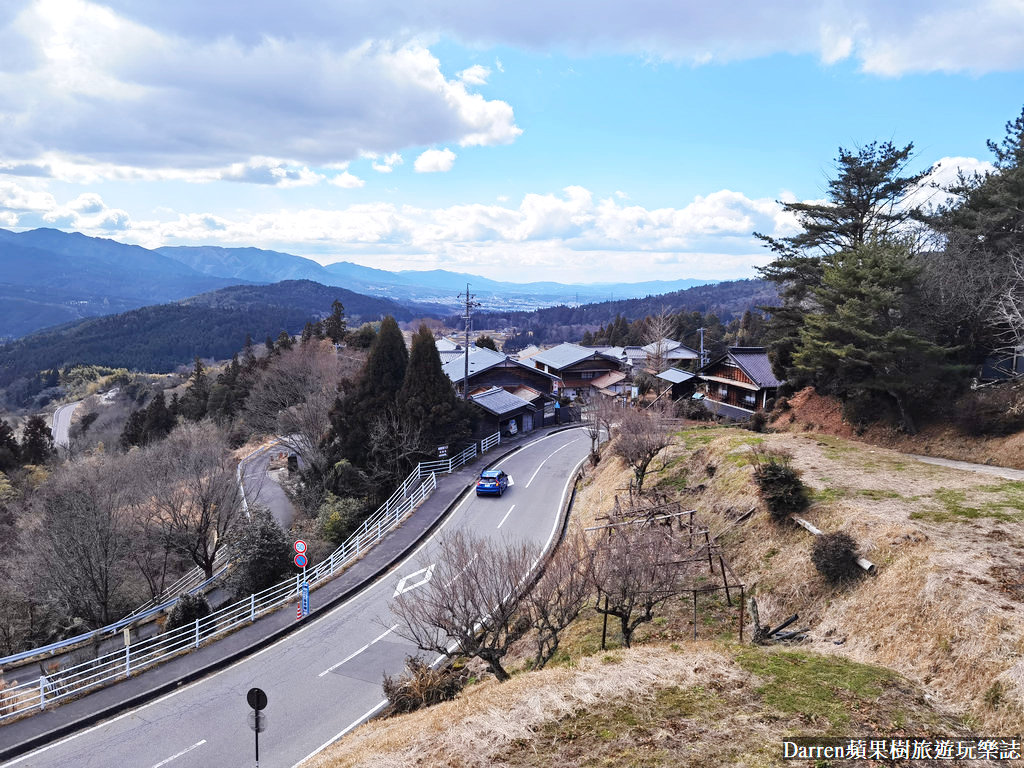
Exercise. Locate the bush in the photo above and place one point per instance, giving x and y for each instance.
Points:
(780, 484)
(757, 421)
(834, 555)
(339, 517)
(421, 686)
(262, 553)
(187, 610)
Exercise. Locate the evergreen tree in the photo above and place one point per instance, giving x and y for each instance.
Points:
(196, 399)
(248, 353)
(428, 398)
(307, 333)
(483, 340)
(134, 430)
(261, 553)
(863, 204)
(334, 325)
(159, 421)
(862, 344)
(10, 451)
(374, 393)
(37, 442)
(284, 341)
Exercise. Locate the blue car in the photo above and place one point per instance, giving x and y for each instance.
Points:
(492, 482)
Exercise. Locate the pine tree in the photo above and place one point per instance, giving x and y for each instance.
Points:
(159, 421)
(483, 340)
(862, 344)
(196, 399)
(36, 442)
(10, 451)
(307, 333)
(284, 341)
(134, 430)
(334, 325)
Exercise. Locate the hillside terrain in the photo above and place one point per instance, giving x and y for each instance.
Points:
(931, 644)
(160, 338)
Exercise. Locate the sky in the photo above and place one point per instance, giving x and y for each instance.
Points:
(579, 141)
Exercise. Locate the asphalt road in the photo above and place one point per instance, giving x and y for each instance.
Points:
(260, 489)
(326, 678)
(61, 425)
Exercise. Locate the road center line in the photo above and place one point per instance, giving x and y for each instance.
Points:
(183, 752)
(545, 461)
(506, 515)
(466, 568)
(356, 653)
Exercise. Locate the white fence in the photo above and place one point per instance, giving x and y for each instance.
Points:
(18, 699)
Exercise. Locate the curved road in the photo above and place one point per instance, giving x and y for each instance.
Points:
(61, 424)
(259, 488)
(325, 679)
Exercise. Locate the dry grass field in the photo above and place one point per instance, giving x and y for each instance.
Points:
(931, 644)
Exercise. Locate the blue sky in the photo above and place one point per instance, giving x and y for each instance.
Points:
(584, 142)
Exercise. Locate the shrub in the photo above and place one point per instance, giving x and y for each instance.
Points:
(780, 485)
(262, 553)
(834, 555)
(421, 686)
(339, 517)
(757, 421)
(187, 610)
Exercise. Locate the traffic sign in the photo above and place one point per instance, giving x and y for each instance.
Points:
(257, 698)
(258, 721)
(300, 547)
(305, 598)
(301, 560)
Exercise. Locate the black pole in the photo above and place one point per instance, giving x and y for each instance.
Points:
(257, 732)
(604, 629)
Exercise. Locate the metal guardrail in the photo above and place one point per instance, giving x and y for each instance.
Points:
(21, 698)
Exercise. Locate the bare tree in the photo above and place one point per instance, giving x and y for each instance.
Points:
(636, 569)
(470, 604)
(197, 495)
(293, 399)
(642, 434)
(558, 596)
(659, 326)
(396, 443)
(597, 418)
(1008, 312)
(86, 519)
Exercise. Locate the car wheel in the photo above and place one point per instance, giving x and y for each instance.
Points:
(500, 491)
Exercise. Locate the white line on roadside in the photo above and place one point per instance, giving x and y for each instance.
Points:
(356, 653)
(506, 515)
(362, 719)
(456, 577)
(183, 752)
(540, 466)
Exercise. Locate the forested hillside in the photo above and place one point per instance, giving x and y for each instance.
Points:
(160, 338)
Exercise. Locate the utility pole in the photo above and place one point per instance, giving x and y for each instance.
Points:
(468, 318)
(703, 354)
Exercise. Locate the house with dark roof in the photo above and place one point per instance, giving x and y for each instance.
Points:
(682, 383)
(488, 368)
(505, 412)
(575, 366)
(740, 381)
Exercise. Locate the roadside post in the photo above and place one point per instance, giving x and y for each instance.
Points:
(257, 720)
(301, 560)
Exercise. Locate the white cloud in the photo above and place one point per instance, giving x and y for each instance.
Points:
(435, 161)
(385, 164)
(134, 97)
(347, 180)
(474, 75)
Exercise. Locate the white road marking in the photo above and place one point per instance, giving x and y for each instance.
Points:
(403, 586)
(356, 653)
(506, 515)
(540, 466)
(288, 638)
(183, 752)
(472, 560)
(359, 721)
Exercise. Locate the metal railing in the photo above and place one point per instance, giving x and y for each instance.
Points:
(18, 699)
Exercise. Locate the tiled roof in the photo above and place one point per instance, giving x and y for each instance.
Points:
(444, 344)
(675, 376)
(607, 380)
(499, 402)
(562, 355)
(753, 361)
(480, 359)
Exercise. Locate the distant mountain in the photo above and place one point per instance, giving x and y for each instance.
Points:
(48, 277)
(160, 338)
(436, 286)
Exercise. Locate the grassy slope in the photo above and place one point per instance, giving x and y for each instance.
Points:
(932, 644)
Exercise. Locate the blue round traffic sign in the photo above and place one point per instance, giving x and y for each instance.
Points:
(300, 561)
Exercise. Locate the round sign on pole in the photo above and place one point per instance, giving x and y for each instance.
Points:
(257, 698)
(300, 547)
(300, 561)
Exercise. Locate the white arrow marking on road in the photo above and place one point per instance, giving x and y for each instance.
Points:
(404, 586)
(506, 515)
(511, 481)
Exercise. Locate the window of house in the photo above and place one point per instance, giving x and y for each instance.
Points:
(586, 374)
(750, 399)
(723, 390)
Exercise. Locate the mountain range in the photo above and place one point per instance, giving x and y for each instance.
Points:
(49, 277)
